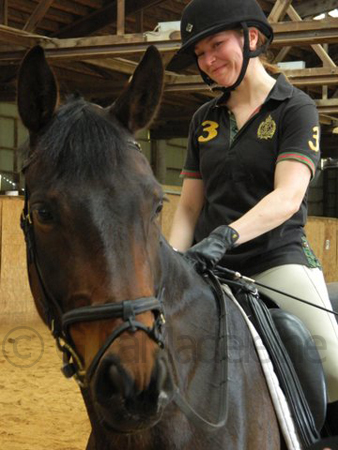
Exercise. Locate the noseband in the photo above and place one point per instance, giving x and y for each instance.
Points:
(59, 321)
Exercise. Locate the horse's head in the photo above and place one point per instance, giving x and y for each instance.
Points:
(90, 221)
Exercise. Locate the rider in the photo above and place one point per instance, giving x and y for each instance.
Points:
(252, 152)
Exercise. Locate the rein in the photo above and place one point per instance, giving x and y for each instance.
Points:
(180, 401)
(224, 275)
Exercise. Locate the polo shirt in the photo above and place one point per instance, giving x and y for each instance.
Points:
(238, 167)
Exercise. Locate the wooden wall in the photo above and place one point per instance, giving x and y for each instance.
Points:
(16, 302)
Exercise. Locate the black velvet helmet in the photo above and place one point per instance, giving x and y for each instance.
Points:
(203, 18)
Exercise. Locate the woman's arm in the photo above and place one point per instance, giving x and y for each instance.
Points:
(187, 213)
(291, 182)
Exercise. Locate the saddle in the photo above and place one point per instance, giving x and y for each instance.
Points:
(295, 358)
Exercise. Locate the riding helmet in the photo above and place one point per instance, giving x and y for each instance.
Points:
(202, 18)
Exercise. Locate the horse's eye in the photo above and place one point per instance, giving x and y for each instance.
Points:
(44, 215)
(159, 208)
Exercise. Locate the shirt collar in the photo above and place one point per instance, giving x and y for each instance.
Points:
(281, 90)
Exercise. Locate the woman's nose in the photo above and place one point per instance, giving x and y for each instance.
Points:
(209, 58)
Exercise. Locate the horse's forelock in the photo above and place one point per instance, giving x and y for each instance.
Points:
(80, 142)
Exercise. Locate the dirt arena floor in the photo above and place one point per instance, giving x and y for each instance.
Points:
(40, 409)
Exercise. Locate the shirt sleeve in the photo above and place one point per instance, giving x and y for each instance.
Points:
(300, 135)
(191, 168)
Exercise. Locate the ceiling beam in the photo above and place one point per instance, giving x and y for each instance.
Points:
(10, 35)
(318, 48)
(279, 10)
(37, 15)
(103, 17)
(303, 77)
(311, 8)
(306, 32)
(286, 33)
(121, 18)
(4, 12)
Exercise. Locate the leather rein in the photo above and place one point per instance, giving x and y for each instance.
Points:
(59, 323)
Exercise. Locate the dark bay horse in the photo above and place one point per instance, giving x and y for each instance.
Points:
(159, 363)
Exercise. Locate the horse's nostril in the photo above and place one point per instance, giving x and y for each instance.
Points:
(115, 379)
(112, 380)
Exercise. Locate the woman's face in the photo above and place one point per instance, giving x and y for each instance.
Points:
(220, 56)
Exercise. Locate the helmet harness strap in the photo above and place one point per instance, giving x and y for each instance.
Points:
(247, 54)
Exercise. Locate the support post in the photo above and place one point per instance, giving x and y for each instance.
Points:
(121, 17)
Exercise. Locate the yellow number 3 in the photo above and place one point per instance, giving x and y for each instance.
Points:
(210, 128)
(315, 146)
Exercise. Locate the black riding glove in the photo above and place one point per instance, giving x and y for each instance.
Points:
(207, 253)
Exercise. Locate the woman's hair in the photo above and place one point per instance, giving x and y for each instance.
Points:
(271, 68)
(264, 57)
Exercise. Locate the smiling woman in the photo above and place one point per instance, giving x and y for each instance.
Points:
(251, 155)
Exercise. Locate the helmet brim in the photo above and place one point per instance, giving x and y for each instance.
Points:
(185, 57)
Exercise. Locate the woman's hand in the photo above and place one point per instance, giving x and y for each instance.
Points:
(207, 253)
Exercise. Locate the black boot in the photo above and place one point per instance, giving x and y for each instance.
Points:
(331, 422)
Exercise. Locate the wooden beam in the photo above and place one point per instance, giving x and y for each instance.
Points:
(281, 55)
(10, 35)
(120, 65)
(303, 77)
(277, 13)
(4, 12)
(103, 17)
(37, 15)
(139, 22)
(286, 33)
(121, 17)
(311, 8)
(306, 32)
(318, 48)
(279, 10)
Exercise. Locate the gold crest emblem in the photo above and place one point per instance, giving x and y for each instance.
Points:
(267, 128)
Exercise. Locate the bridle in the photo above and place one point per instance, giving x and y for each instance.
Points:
(59, 323)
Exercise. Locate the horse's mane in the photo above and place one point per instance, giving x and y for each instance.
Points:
(79, 142)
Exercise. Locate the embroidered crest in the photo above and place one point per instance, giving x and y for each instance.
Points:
(267, 129)
(189, 27)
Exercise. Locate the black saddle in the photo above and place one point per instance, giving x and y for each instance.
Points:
(295, 358)
(333, 294)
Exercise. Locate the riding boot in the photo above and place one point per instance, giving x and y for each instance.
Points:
(331, 422)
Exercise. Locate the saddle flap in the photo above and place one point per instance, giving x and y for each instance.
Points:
(306, 361)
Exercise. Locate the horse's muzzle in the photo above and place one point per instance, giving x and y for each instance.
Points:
(120, 406)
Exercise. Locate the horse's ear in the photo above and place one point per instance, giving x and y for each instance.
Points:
(37, 90)
(137, 105)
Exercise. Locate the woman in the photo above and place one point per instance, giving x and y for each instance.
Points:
(251, 155)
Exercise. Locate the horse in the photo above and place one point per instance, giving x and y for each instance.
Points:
(161, 361)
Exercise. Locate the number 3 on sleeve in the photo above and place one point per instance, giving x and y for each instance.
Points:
(210, 128)
(315, 145)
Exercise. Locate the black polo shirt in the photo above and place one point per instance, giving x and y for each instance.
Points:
(238, 170)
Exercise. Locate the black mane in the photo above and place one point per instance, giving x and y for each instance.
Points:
(79, 142)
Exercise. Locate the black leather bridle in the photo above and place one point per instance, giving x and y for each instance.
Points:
(59, 323)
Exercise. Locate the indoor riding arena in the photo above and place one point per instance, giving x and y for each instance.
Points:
(93, 47)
